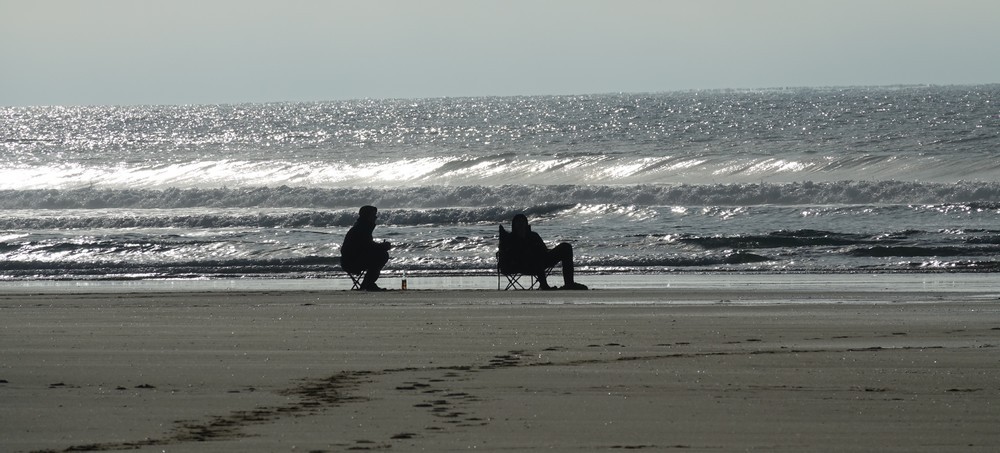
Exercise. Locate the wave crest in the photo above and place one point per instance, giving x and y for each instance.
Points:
(983, 194)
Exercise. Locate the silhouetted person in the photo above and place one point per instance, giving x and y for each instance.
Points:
(525, 251)
(360, 253)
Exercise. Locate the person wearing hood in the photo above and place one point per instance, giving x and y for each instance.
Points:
(360, 253)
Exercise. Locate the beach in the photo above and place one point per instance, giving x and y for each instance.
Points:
(790, 237)
(699, 368)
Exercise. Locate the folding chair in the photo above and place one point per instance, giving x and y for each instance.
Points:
(514, 277)
(356, 279)
(511, 271)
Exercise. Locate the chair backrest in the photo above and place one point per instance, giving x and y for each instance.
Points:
(504, 260)
(504, 265)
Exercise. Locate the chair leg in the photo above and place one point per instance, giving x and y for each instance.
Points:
(356, 280)
(513, 281)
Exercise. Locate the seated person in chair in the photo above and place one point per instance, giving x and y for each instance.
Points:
(523, 251)
(360, 253)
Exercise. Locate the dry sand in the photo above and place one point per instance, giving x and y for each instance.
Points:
(312, 371)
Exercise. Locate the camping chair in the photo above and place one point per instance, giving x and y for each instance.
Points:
(511, 271)
(513, 277)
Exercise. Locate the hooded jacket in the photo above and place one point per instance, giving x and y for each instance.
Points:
(358, 243)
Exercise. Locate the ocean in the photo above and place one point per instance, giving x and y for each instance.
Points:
(778, 181)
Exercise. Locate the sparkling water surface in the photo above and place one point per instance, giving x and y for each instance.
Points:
(836, 180)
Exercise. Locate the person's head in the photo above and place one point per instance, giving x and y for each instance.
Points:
(368, 213)
(519, 225)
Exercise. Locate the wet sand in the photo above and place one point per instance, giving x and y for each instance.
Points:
(650, 369)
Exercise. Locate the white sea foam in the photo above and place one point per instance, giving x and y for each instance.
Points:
(496, 170)
(509, 196)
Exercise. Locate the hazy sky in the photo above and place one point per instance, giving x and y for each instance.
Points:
(70, 52)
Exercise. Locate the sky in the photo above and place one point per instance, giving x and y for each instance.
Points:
(124, 52)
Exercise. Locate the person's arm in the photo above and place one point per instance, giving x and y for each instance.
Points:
(381, 246)
(533, 252)
(370, 244)
(535, 245)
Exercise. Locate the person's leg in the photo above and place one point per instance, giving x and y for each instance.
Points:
(547, 260)
(564, 253)
(542, 281)
(374, 264)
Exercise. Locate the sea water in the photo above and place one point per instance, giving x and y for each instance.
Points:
(778, 181)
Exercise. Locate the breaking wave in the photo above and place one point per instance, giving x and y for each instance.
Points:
(295, 219)
(984, 194)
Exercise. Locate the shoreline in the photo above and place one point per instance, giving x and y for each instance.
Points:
(702, 369)
(985, 283)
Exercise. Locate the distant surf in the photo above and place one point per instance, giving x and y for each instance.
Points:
(975, 195)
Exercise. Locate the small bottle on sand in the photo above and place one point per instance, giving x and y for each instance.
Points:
(404, 281)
